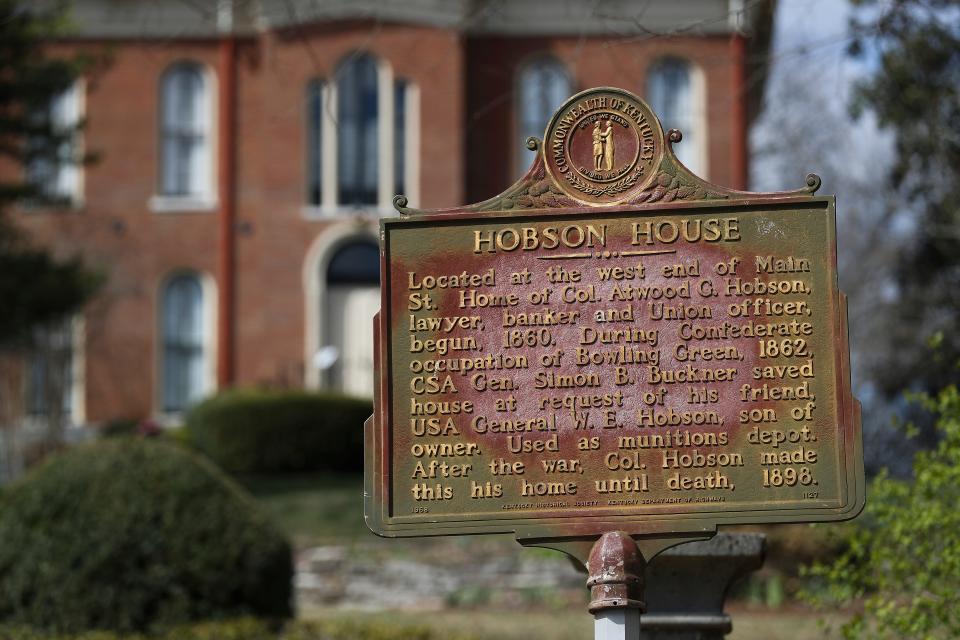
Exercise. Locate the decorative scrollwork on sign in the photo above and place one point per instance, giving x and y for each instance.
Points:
(668, 187)
(400, 203)
(542, 194)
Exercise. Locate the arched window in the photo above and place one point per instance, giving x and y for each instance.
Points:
(542, 86)
(353, 297)
(357, 115)
(184, 358)
(362, 138)
(675, 97)
(185, 154)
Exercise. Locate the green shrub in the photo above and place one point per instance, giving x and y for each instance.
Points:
(349, 630)
(252, 629)
(902, 562)
(119, 427)
(252, 431)
(131, 534)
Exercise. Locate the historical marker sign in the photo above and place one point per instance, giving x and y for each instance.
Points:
(613, 343)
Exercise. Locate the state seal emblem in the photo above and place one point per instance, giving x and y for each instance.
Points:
(602, 146)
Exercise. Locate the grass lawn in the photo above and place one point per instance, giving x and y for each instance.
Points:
(313, 509)
(576, 624)
(328, 510)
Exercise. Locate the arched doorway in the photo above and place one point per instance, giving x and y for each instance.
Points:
(351, 299)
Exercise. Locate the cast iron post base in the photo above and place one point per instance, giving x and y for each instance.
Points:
(686, 586)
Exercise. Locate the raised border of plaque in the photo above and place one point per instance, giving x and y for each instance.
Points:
(605, 157)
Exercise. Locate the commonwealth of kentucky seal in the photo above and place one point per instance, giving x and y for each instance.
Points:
(603, 145)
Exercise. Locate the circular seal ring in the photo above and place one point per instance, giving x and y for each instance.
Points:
(603, 146)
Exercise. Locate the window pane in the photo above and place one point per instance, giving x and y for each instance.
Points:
(355, 263)
(399, 137)
(184, 163)
(196, 161)
(183, 343)
(357, 99)
(54, 173)
(670, 92)
(314, 142)
(50, 370)
(543, 86)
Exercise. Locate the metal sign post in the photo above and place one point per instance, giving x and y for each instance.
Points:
(613, 356)
(616, 585)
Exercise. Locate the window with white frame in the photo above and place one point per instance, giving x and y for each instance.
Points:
(362, 137)
(184, 353)
(542, 86)
(52, 380)
(675, 94)
(185, 134)
(55, 172)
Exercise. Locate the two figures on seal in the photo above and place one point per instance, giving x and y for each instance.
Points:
(602, 146)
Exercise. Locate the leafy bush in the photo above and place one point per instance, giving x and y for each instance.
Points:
(252, 629)
(130, 534)
(128, 427)
(903, 559)
(119, 428)
(253, 431)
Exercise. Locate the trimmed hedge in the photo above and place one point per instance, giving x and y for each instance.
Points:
(252, 629)
(255, 431)
(130, 535)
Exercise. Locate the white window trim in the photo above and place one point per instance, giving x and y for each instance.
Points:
(411, 180)
(78, 373)
(385, 99)
(199, 202)
(329, 207)
(181, 204)
(699, 86)
(208, 288)
(328, 199)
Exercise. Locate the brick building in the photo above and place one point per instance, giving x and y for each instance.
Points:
(247, 149)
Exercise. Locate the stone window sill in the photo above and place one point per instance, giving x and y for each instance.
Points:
(182, 204)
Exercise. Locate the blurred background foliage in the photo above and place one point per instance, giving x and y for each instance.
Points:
(900, 563)
(263, 431)
(28, 81)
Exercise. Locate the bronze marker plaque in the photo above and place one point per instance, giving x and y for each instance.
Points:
(612, 344)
